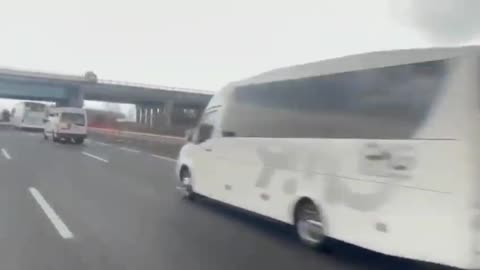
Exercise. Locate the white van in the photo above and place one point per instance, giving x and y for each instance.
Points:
(66, 124)
(380, 150)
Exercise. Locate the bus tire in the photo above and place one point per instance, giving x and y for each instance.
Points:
(186, 184)
(78, 141)
(309, 224)
(45, 136)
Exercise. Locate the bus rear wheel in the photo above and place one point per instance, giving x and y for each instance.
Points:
(309, 225)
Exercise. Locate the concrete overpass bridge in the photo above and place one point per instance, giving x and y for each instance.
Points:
(156, 105)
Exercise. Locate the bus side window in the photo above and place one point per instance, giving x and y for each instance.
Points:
(205, 132)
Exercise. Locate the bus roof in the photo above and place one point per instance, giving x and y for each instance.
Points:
(360, 62)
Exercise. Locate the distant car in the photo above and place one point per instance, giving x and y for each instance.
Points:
(66, 124)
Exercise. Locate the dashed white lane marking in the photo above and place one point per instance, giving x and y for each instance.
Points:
(102, 143)
(6, 154)
(50, 213)
(164, 158)
(130, 150)
(95, 157)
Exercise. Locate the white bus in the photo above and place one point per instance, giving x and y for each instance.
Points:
(379, 150)
(28, 115)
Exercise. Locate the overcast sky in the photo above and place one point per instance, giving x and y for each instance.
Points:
(205, 44)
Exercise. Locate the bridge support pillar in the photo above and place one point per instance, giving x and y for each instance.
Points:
(157, 120)
(148, 116)
(138, 114)
(155, 115)
(74, 98)
(143, 115)
(168, 112)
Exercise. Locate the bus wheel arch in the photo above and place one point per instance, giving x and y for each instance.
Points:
(309, 222)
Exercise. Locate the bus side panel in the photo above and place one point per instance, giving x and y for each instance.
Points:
(264, 175)
(416, 212)
(419, 206)
(474, 147)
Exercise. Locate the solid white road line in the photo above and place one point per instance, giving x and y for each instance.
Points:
(130, 150)
(102, 143)
(95, 157)
(54, 218)
(5, 154)
(164, 158)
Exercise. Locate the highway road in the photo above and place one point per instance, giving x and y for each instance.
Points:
(109, 206)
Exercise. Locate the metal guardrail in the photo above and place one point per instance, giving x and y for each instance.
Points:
(162, 145)
(139, 135)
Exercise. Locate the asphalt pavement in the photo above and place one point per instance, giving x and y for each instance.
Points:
(109, 206)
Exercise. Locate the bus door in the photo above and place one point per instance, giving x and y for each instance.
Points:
(205, 166)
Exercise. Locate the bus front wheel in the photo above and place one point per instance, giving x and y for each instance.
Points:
(186, 187)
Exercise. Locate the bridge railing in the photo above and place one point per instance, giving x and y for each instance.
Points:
(150, 86)
(85, 78)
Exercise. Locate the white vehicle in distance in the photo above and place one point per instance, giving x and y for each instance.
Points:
(28, 115)
(66, 124)
(380, 150)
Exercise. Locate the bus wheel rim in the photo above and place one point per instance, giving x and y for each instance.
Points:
(187, 186)
(310, 229)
